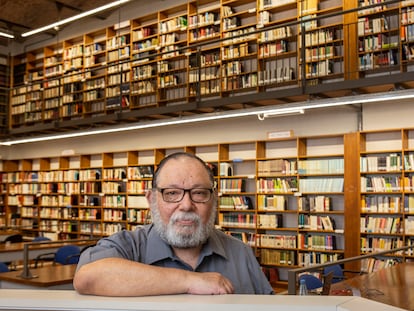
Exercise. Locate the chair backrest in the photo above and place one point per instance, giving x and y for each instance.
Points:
(327, 282)
(67, 255)
(338, 273)
(312, 282)
(15, 238)
(4, 267)
(40, 239)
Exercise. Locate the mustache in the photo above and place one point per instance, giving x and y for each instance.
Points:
(185, 216)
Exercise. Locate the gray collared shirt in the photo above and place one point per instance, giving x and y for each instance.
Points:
(222, 253)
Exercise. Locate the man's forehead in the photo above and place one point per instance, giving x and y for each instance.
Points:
(183, 165)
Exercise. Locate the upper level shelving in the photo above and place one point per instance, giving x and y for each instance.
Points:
(205, 50)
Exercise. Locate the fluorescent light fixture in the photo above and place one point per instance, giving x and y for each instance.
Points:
(265, 110)
(76, 17)
(7, 35)
(280, 113)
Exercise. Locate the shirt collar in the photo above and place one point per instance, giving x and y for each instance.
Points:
(157, 249)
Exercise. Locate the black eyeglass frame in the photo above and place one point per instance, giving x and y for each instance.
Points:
(162, 190)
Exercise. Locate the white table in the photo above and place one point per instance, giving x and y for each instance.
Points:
(22, 299)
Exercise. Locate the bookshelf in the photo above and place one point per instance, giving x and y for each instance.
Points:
(277, 51)
(270, 194)
(239, 48)
(323, 39)
(4, 93)
(205, 50)
(172, 61)
(144, 61)
(385, 208)
(378, 37)
(406, 33)
(236, 185)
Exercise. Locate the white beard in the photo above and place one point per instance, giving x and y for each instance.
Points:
(183, 237)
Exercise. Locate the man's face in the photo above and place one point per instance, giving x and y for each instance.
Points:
(185, 223)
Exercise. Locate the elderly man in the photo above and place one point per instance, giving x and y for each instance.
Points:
(181, 251)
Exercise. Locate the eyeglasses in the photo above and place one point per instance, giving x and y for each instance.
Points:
(175, 195)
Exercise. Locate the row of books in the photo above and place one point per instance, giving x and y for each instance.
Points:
(372, 61)
(138, 215)
(323, 166)
(273, 48)
(142, 33)
(173, 24)
(277, 257)
(235, 202)
(314, 258)
(271, 202)
(277, 241)
(319, 68)
(385, 163)
(237, 220)
(315, 185)
(316, 242)
(371, 224)
(277, 185)
(381, 204)
(317, 203)
(377, 244)
(247, 237)
(266, 4)
(315, 222)
(368, 25)
(409, 225)
(203, 19)
(272, 221)
(319, 53)
(232, 185)
(381, 183)
(276, 167)
(204, 33)
(275, 34)
(369, 265)
(278, 75)
(114, 201)
(319, 37)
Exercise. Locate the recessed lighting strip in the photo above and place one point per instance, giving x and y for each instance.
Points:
(73, 18)
(7, 35)
(273, 110)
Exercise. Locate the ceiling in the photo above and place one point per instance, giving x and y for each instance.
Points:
(18, 16)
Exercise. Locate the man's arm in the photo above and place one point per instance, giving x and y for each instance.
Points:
(122, 277)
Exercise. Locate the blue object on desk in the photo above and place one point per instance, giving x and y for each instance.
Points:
(4, 267)
(312, 282)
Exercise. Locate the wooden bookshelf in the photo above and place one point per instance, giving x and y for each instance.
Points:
(378, 37)
(296, 201)
(209, 49)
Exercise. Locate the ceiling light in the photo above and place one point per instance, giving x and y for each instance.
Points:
(280, 113)
(73, 18)
(261, 111)
(7, 35)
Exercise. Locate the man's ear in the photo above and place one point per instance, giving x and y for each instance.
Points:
(148, 195)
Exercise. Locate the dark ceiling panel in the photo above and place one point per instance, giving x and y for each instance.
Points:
(18, 16)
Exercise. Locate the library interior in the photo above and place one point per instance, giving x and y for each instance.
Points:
(301, 108)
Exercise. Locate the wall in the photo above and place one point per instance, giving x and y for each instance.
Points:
(316, 122)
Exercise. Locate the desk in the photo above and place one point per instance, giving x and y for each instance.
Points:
(14, 251)
(392, 286)
(48, 277)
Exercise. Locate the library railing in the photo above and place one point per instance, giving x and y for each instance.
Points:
(293, 273)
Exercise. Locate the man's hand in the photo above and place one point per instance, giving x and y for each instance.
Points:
(209, 283)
